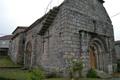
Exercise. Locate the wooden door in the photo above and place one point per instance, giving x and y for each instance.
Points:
(92, 58)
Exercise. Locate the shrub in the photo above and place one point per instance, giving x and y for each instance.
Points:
(36, 74)
(92, 74)
(74, 66)
(77, 67)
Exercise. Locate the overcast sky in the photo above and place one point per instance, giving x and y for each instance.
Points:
(15, 13)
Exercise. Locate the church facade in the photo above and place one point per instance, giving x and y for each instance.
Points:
(80, 27)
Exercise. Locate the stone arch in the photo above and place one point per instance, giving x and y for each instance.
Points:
(28, 54)
(97, 53)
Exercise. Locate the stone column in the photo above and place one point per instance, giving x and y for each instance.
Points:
(33, 57)
(103, 58)
(100, 60)
(97, 59)
(25, 57)
(84, 40)
(110, 60)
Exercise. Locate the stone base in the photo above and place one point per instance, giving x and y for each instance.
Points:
(103, 75)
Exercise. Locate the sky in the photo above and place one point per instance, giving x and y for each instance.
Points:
(15, 13)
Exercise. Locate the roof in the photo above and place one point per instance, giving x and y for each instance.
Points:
(41, 19)
(14, 36)
(6, 37)
(49, 20)
(19, 32)
(45, 16)
(19, 27)
(35, 23)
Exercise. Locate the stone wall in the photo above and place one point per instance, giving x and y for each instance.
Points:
(90, 20)
(78, 23)
(33, 37)
(16, 49)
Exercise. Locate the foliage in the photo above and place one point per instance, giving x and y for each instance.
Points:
(36, 74)
(75, 66)
(92, 74)
(76, 69)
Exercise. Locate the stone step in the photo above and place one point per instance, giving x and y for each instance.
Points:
(103, 75)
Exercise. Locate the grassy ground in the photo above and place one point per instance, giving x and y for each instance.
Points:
(8, 69)
(18, 74)
(14, 74)
(6, 62)
(79, 79)
(23, 75)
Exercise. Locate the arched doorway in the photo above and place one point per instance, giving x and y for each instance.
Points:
(97, 54)
(28, 55)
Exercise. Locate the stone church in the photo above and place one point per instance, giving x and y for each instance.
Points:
(80, 27)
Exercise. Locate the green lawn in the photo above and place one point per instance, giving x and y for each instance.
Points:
(8, 69)
(23, 75)
(79, 79)
(14, 74)
(18, 74)
(6, 62)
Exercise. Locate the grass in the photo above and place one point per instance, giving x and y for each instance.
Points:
(14, 74)
(23, 75)
(79, 79)
(18, 74)
(8, 71)
(5, 61)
